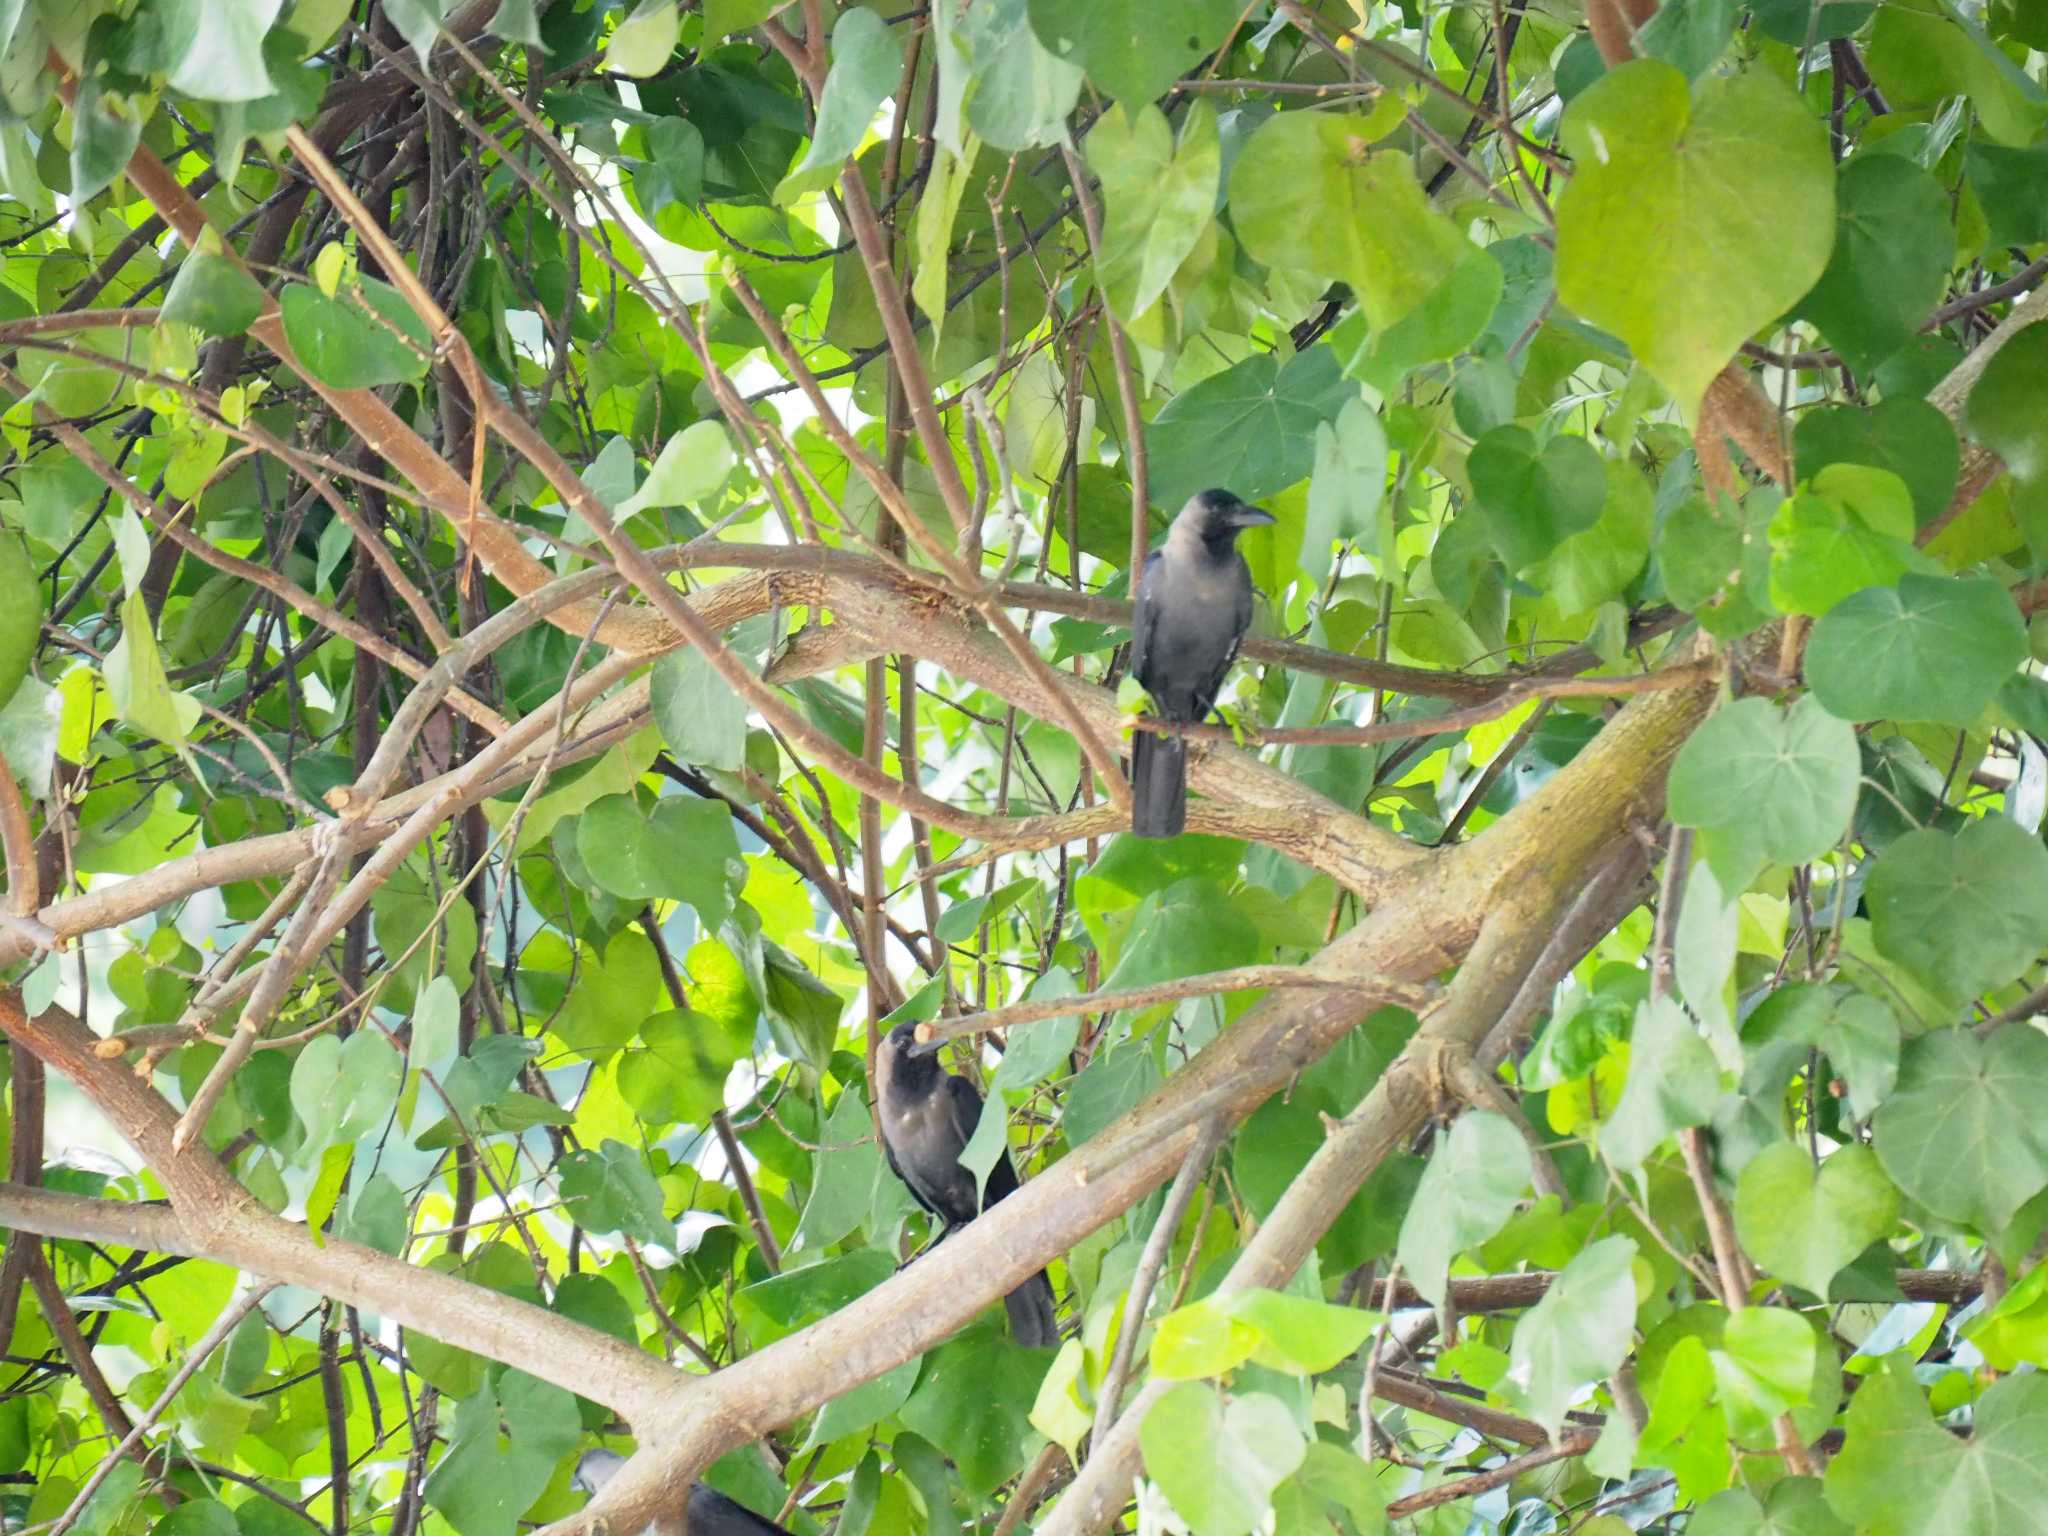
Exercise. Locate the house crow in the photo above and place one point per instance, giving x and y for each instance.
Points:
(926, 1116)
(1194, 605)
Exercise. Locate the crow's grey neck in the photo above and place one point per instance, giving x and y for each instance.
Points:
(1184, 542)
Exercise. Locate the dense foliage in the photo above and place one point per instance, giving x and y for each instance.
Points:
(563, 566)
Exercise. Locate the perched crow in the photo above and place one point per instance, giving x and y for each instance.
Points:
(1194, 605)
(926, 1116)
(711, 1512)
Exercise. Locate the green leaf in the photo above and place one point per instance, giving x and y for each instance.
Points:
(1123, 45)
(1577, 1334)
(1901, 1474)
(1535, 497)
(1909, 437)
(1251, 427)
(844, 1183)
(610, 1190)
(973, 1402)
(1694, 217)
(1821, 552)
(1782, 784)
(677, 1075)
(224, 61)
(137, 684)
(1804, 1225)
(1931, 648)
(1160, 196)
(1474, 1180)
(2012, 187)
(1348, 489)
(502, 1456)
(1962, 1134)
(1765, 1360)
(1308, 192)
(2004, 408)
(1039, 1051)
(1021, 92)
(1796, 1507)
(377, 1216)
(1716, 563)
(21, 618)
(1185, 930)
(1795, 22)
(933, 235)
(1597, 564)
(363, 338)
(1921, 52)
(693, 466)
(643, 43)
(1966, 912)
(866, 63)
(701, 718)
(1200, 1340)
(213, 294)
(197, 1517)
(1893, 249)
(1219, 1461)
(684, 849)
(105, 128)
(1300, 1334)
(1673, 1082)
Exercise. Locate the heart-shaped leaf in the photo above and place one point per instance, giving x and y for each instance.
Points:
(1966, 912)
(1804, 1225)
(1693, 216)
(1961, 1132)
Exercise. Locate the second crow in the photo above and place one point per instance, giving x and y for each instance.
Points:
(927, 1116)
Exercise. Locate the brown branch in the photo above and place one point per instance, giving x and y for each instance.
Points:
(1241, 978)
(1577, 1443)
(213, 1217)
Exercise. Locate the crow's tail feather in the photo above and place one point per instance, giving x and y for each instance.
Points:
(1159, 784)
(1033, 1321)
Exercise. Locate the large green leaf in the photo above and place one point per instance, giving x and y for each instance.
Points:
(1219, 1460)
(1694, 217)
(1893, 249)
(1780, 784)
(1967, 911)
(1577, 1334)
(362, 338)
(1902, 1474)
(1308, 192)
(1804, 1225)
(1673, 1082)
(1962, 1133)
(1535, 496)
(2003, 411)
(1475, 1178)
(1129, 50)
(1929, 648)
(1161, 196)
(1251, 427)
(502, 1454)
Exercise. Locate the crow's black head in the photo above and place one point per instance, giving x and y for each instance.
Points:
(1218, 516)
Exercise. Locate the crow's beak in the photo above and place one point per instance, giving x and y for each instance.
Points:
(1251, 517)
(925, 1048)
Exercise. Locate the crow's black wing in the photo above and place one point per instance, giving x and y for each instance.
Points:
(1144, 622)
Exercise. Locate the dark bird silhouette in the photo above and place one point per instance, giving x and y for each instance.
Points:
(711, 1512)
(927, 1116)
(1194, 605)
